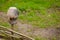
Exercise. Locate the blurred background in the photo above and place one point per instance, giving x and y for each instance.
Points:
(40, 14)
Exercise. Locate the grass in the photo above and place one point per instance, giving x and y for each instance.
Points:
(25, 4)
(3, 23)
(42, 19)
(45, 38)
(40, 38)
(36, 14)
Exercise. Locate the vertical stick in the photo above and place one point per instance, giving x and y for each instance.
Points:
(12, 27)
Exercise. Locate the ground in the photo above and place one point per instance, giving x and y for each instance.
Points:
(50, 33)
(38, 19)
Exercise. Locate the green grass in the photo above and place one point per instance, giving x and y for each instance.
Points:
(40, 38)
(43, 19)
(45, 38)
(40, 4)
(3, 23)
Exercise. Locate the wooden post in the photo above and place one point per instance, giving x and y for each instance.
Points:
(12, 27)
(12, 22)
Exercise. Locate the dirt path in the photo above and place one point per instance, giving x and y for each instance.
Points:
(29, 30)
